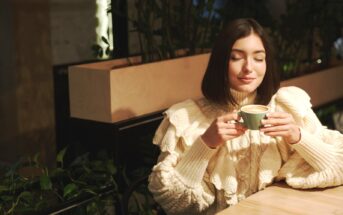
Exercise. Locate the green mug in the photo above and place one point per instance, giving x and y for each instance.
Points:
(252, 115)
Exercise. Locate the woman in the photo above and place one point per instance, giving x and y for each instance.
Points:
(208, 162)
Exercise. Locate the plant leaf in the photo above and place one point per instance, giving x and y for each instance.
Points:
(35, 159)
(6, 198)
(56, 172)
(27, 196)
(60, 155)
(3, 188)
(107, 51)
(111, 167)
(90, 191)
(45, 182)
(69, 189)
(82, 159)
(104, 39)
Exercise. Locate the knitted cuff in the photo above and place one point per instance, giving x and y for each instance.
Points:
(192, 166)
(318, 154)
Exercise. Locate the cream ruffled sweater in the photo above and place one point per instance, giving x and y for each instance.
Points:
(191, 178)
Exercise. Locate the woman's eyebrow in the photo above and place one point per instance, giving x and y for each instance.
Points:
(255, 52)
(260, 51)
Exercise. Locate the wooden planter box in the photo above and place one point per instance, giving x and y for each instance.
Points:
(112, 92)
(100, 93)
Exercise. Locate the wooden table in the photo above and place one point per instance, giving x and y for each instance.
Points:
(281, 199)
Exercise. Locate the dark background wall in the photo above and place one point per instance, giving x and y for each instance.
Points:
(38, 40)
(26, 110)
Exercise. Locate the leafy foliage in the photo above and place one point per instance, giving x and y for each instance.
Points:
(20, 194)
(303, 35)
(163, 28)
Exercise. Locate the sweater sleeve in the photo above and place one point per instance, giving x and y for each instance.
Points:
(318, 157)
(177, 181)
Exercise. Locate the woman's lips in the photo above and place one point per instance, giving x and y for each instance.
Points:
(246, 80)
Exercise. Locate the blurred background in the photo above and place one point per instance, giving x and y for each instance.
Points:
(40, 39)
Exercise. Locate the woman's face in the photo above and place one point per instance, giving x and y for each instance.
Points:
(247, 64)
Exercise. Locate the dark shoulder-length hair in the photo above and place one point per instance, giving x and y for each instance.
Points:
(215, 84)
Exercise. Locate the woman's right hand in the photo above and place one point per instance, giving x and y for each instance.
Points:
(222, 129)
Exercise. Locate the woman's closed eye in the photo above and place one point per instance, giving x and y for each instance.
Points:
(236, 57)
(259, 59)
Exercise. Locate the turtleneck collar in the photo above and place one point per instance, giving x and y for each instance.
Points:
(242, 98)
(215, 110)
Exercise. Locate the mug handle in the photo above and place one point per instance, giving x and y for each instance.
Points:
(242, 120)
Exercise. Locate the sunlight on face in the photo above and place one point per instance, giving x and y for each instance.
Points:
(247, 64)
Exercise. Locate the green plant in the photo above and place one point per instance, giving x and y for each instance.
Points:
(304, 35)
(138, 198)
(49, 188)
(164, 28)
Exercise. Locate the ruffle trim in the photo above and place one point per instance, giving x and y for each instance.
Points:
(185, 121)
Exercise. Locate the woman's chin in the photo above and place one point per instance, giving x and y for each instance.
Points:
(245, 89)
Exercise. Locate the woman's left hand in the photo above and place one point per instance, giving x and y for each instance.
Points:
(283, 125)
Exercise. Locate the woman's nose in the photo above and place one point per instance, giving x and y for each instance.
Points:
(248, 65)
